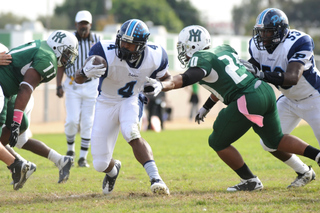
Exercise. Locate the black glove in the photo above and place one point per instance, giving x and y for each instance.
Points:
(14, 133)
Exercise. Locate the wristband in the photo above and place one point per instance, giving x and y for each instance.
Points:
(275, 78)
(17, 115)
(209, 104)
(59, 87)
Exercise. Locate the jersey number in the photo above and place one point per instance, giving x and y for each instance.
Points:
(231, 69)
(126, 91)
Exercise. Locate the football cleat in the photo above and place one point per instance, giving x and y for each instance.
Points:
(71, 153)
(303, 179)
(108, 182)
(247, 185)
(32, 169)
(82, 162)
(19, 171)
(64, 165)
(159, 187)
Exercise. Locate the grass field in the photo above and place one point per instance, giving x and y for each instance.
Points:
(196, 176)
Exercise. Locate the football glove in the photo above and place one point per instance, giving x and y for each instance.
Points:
(201, 114)
(253, 69)
(93, 71)
(14, 133)
(152, 87)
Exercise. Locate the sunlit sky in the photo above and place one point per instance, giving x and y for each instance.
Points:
(213, 10)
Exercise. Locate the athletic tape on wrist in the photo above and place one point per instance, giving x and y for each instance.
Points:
(17, 115)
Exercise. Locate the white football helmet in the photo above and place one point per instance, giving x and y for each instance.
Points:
(192, 39)
(65, 45)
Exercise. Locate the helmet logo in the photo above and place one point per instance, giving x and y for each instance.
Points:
(59, 36)
(195, 35)
(276, 19)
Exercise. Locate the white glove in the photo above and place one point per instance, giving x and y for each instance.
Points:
(253, 69)
(93, 71)
(152, 87)
(201, 115)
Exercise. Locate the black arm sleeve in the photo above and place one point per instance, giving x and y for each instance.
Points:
(192, 75)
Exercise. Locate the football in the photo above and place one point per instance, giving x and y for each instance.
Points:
(148, 89)
(98, 60)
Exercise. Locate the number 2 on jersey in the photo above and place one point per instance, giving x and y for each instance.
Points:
(231, 69)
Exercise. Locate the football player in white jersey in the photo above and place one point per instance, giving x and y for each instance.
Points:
(130, 60)
(284, 57)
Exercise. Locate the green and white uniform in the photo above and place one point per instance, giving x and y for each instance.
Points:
(36, 54)
(236, 87)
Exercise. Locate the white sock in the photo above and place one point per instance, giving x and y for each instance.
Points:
(83, 154)
(113, 171)
(54, 156)
(152, 170)
(297, 165)
(85, 143)
(70, 142)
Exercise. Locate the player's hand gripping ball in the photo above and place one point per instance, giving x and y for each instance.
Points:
(94, 67)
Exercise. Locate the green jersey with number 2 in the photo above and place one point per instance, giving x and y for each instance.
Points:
(36, 54)
(225, 76)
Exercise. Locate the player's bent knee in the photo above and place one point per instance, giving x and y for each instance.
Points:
(100, 165)
(266, 148)
(22, 140)
(214, 145)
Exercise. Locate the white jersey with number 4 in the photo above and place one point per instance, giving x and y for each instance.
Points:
(123, 80)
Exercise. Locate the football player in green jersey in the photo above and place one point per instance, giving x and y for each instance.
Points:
(250, 102)
(20, 169)
(32, 64)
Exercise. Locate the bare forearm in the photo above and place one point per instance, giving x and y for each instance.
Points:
(174, 82)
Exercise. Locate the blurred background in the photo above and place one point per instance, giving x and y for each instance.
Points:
(228, 21)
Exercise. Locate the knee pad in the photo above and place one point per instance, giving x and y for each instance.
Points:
(266, 148)
(22, 139)
(212, 144)
(100, 165)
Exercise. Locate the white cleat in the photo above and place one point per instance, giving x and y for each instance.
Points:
(159, 187)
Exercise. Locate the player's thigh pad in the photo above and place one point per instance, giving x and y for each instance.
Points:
(104, 135)
(228, 127)
(265, 104)
(130, 114)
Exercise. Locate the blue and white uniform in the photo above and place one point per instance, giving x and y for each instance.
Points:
(301, 101)
(120, 102)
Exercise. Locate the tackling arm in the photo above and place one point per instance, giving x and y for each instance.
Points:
(30, 81)
(189, 77)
